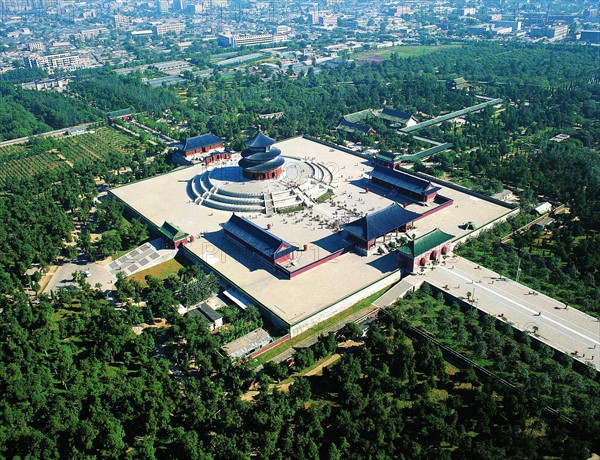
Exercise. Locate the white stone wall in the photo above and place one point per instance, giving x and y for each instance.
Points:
(487, 226)
(344, 304)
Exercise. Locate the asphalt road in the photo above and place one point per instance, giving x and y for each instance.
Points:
(22, 140)
(565, 329)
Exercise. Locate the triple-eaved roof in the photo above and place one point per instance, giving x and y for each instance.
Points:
(260, 140)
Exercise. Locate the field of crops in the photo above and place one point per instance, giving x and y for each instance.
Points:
(30, 166)
(377, 55)
(96, 145)
(17, 160)
(10, 152)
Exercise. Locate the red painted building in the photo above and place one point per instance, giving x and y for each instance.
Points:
(174, 236)
(388, 159)
(364, 232)
(261, 161)
(208, 147)
(426, 249)
(123, 114)
(412, 186)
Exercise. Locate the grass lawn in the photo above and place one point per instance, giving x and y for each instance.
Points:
(122, 252)
(401, 51)
(328, 195)
(160, 271)
(365, 304)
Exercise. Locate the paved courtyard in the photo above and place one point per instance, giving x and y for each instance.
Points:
(565, 329)
(141, 258)
(97, 274)
(296, 299)
(170, 198)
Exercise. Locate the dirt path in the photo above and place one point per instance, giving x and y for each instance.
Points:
(319, 369)
(47, 277)
(250, 395)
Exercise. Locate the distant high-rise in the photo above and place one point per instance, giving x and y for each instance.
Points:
(179, 5)
(166, 27)
(162, 6)
(229, 39)
(55, 61)
(121, 21)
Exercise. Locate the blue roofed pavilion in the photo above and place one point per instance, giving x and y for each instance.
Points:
(202, 143)
(408, 184)
(365, 231)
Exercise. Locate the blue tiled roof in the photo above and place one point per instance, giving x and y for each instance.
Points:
(261, 167)
(261, 155)
(395, 115)
(260, 140)
(351, 126)
(260, 239)
(378, 223)
(403, 180)
(198, 142)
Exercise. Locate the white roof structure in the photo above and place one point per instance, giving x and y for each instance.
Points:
(543, 208)
(247, 343)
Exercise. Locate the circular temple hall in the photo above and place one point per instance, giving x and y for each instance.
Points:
(261, 161)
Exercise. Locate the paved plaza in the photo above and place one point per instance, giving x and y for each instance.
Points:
(98, 274)
(141, 258)
(565, 329)
(170, 198)
(296, 299)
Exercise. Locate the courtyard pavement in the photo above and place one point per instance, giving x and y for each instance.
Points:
(562, 327)
(168, 198)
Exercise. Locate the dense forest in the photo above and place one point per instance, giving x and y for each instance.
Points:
(314, 103)
(89, 96)
(108, 91)
(78, 383)
(25, 112)
(41, 212)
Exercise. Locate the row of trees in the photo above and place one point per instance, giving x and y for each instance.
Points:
(564, 267)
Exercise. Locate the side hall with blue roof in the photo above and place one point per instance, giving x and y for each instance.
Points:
(364, 232)
(201, 144)
(258, 240)
(412, 186)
